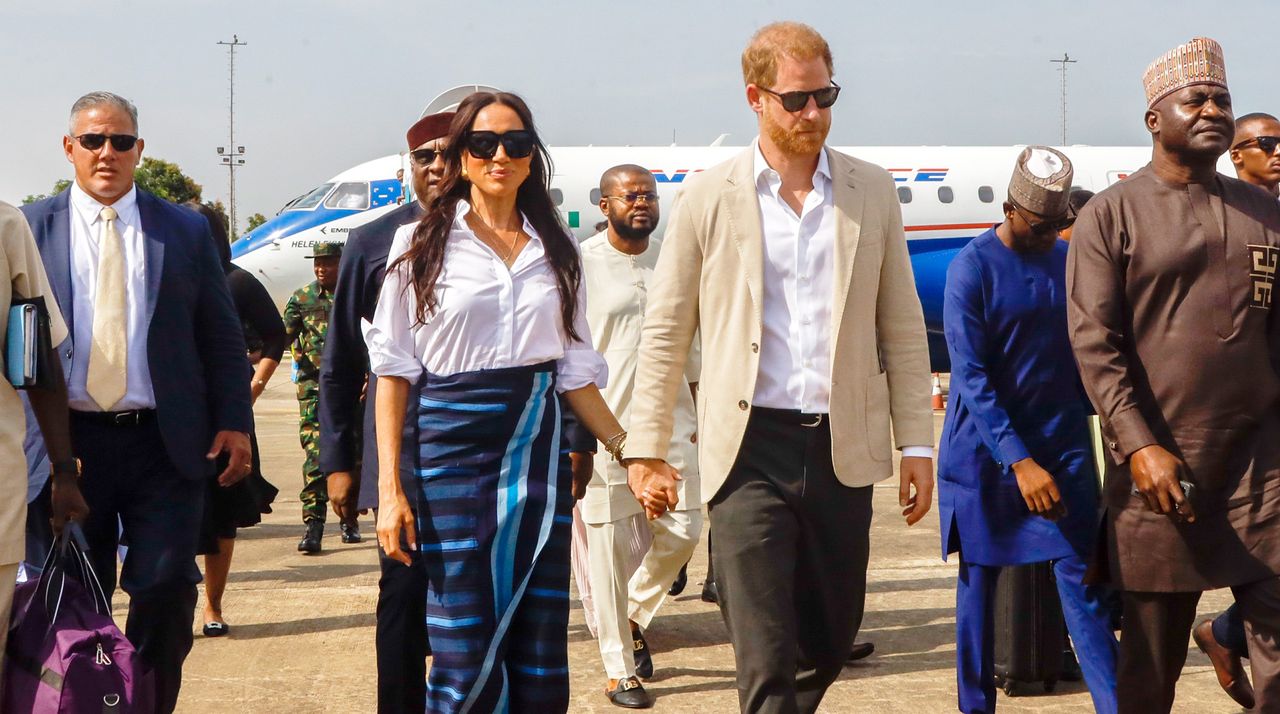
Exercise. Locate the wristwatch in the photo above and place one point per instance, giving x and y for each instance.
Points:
(70, 466)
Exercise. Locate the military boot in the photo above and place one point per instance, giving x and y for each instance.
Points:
(310, 543)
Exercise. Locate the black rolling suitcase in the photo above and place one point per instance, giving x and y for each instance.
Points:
(1028, 628)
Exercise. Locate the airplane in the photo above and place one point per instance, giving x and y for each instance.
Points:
(948, 195)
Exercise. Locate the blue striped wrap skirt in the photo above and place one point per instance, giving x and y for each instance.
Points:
(494, 520)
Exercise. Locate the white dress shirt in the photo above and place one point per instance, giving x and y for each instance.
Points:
(86, 227)
(487, 316)
(799, 250)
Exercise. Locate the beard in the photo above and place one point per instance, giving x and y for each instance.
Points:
(804, 139)
(628, 232)
(1035, 242)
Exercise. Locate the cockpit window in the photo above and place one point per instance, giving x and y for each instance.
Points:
(350, 196)
(310, 199)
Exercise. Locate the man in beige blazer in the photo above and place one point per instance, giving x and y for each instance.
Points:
(791, 260)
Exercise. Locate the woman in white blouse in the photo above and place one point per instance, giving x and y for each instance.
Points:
(482, 317)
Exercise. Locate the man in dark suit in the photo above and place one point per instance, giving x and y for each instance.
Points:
(344, 371)
(156, 374)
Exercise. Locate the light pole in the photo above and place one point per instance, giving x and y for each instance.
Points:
(232, 154)
(1062, 67)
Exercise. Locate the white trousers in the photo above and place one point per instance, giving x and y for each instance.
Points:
(619, 599)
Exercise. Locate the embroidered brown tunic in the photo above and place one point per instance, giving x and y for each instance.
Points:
(1172, 322)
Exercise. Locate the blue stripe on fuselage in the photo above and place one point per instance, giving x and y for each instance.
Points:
(285, 225)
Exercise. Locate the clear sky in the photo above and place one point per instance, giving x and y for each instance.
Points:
(325, 84)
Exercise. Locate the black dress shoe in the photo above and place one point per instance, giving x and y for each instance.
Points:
(681, 580)
(351, 533)
(861, 650)
(310, 543)
(709, 592)
(1071, 671)
(644, 662)
(629, 695)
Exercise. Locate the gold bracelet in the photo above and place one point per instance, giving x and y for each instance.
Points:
(615, 444)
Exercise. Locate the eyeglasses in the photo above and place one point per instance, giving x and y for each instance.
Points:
(95, 142)
(1268, 144)
(634, 196)
(518, 143)
(1052, 225)
(424, 157)
(795, 101)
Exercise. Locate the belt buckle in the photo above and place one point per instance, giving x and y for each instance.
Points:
(817, 422)
(127, 418)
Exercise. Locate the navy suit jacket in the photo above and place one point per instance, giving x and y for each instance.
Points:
(195, 344)
(344, 366)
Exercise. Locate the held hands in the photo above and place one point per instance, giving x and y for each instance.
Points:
(1155, 474)
(395, 517)
(1039, 490)
(653, 483)
(66, 502)
(915, 471)
(239, 456)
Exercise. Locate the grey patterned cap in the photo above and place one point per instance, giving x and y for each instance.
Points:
(1041, 181)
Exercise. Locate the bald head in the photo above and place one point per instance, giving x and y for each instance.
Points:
(624, 173)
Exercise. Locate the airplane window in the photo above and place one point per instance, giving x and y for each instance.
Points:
(310, 199)
(985, 194)
(945, 194)
(557, 196)
(350, 196)
(904, 194)
(595, 196)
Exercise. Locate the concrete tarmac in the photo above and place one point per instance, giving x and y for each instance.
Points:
(301, 635)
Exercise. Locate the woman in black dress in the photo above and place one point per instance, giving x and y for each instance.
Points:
(242, 504)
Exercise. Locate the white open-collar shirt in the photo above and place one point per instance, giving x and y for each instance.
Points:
(487, 317)
(86, 228)
(799, 250)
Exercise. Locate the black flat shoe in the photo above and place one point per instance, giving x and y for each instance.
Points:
(681, 580)
(351, 533)
(709, 592)
(629, 694)
(216, 629)
(644, 662)
(861, 650)
(310, 543)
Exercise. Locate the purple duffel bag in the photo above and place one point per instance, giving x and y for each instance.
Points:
(65, 654)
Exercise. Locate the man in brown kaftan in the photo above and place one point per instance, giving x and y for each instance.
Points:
(1171, 308)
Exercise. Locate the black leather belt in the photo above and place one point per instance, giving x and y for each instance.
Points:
(791, 416)
(133, 417)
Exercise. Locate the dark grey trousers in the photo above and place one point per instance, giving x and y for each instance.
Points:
(791, 562)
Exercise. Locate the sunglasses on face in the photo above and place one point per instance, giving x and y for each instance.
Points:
(795, 101)
(1053, 225)
(634, 196)
(95, 142)
(424, 157)
(1268, 144)
(518, 143)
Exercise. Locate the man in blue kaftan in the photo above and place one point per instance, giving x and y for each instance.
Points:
(1016, 477)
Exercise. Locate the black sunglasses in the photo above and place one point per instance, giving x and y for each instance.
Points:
(1268, 144)
(795, 101)
(633, 196)
(518, 143)
(94, 142)
(1052, 225)
(424, 157)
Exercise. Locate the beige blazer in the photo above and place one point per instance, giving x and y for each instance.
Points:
(710, 277)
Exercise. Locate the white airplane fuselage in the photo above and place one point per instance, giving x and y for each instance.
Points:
(948, 195)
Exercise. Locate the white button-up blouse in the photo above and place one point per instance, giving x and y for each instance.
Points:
(487, 316)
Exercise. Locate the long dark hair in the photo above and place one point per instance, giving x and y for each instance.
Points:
(425, 256)
(218, 228)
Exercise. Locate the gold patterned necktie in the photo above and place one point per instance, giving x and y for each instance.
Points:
(107, 380)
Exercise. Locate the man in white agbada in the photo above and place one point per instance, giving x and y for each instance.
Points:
(617, 264)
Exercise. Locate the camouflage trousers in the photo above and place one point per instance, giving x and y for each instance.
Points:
(315, 494)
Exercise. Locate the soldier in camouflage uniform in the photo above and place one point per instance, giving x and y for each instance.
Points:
(306, 320)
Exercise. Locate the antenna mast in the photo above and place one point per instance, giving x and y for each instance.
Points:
(232, 155)
(1062, 67)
